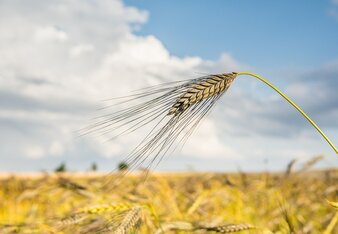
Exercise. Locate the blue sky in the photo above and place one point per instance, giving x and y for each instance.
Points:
(60, 59)
(260, 33)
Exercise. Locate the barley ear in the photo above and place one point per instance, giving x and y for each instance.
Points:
(293, 104)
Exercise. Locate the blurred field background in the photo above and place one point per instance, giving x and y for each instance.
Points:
(294, 201)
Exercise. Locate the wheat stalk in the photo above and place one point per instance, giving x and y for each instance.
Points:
(294, 105)
(173, 110)
(332, 224)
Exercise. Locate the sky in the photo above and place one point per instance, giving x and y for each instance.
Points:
(60, 59)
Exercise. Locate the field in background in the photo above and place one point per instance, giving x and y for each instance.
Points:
(290, 202)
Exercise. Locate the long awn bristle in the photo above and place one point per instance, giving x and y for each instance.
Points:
(173, 111)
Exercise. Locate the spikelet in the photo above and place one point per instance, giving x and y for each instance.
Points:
(128, 223)
(213, 85)
(106, 208)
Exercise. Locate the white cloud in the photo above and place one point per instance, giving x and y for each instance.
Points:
(50, 33)
(81, 49)
(97, 56)
(34, 152)
(56, 148)
(208, 144)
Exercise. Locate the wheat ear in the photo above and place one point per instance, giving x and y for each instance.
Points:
(106, 208)
(129, 222)
(230, 228)
(98, 209)
(203, 89)
(293, 104)
(172, 111)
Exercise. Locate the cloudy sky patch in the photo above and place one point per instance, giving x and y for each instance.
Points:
(60, 59)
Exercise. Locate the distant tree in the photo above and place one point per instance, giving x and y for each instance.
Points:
(61, 168)
(122, 166)
(93, 167)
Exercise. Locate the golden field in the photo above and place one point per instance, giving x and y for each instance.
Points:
(288, 202)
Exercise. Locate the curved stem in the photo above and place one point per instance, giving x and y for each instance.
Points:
(294, 105)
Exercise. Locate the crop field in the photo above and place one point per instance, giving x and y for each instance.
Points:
(95, 96)
(289, 202)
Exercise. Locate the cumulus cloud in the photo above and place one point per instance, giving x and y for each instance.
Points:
(50, 33)
(58, 61)
(59, 58)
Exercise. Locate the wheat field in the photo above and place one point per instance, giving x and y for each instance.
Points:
(294, 201)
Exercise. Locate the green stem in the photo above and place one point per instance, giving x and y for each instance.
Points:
(294, 105)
